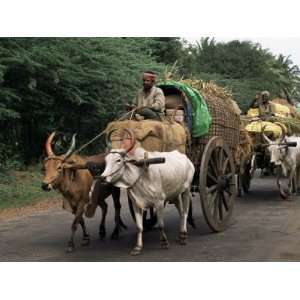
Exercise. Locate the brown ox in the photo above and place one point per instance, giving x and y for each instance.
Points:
(75, 186)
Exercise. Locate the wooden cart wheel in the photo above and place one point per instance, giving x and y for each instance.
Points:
(148, 223)
(217, 184)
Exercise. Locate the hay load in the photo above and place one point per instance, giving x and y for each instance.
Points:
(213, 92)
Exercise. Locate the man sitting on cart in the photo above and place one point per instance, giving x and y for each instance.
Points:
(261, 102)
(264, 106)
(150, 100)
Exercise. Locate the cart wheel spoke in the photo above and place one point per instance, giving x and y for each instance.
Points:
(214, 168)
(211, 200)
(220, 207)
(216, 206)
(213, 178)
(224, 201)
(211, 189)
(228, 192)
(215, 160)
(229, 176)
(225, 165)
(221, 158)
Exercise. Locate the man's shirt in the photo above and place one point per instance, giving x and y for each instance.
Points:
(154, 98)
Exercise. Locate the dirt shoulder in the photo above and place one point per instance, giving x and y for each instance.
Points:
(42, 205)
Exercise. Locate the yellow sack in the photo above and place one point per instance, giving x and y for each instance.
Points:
(256, 127)
(280, 110)
(253, 112)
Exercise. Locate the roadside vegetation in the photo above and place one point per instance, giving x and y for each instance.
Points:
(21, 188)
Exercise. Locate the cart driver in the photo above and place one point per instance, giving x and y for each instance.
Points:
(264, 105)
(150, 100)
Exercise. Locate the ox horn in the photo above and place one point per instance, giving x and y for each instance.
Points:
(108, 139)
(72, 147)
(269, 141)
(132, 138)
(283, 132)
(48, 146)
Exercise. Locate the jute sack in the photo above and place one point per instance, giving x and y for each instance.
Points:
(152, 135)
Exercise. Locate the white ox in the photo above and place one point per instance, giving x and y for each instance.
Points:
(152, 186)
(283, 155)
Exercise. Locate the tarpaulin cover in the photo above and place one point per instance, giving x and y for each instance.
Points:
(201, 118)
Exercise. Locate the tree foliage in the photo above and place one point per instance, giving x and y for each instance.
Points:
(243, 66)
(64, 84)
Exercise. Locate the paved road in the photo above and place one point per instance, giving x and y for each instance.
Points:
(264, 228)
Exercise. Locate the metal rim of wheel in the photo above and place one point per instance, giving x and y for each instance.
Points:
(217, 184)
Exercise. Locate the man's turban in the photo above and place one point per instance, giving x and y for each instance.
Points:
(151, 76)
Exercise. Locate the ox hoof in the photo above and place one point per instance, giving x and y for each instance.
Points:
(191, 222)
(182, 238)
(70, 249)
(102, 235)
(285, 195)
(136, 250)
(85, 241)
(114, 235)
(164, 244)
(102, 232)
(182, 242)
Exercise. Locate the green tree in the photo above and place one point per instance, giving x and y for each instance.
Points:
(244, 67)
(166, 50)
(65, 84)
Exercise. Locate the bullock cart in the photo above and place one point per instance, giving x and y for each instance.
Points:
(212, 149)
(264, 133)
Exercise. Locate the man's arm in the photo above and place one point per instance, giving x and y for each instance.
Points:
(159, 101)
(133, 104)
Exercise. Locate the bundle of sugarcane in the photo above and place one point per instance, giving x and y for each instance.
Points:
(212, 91)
